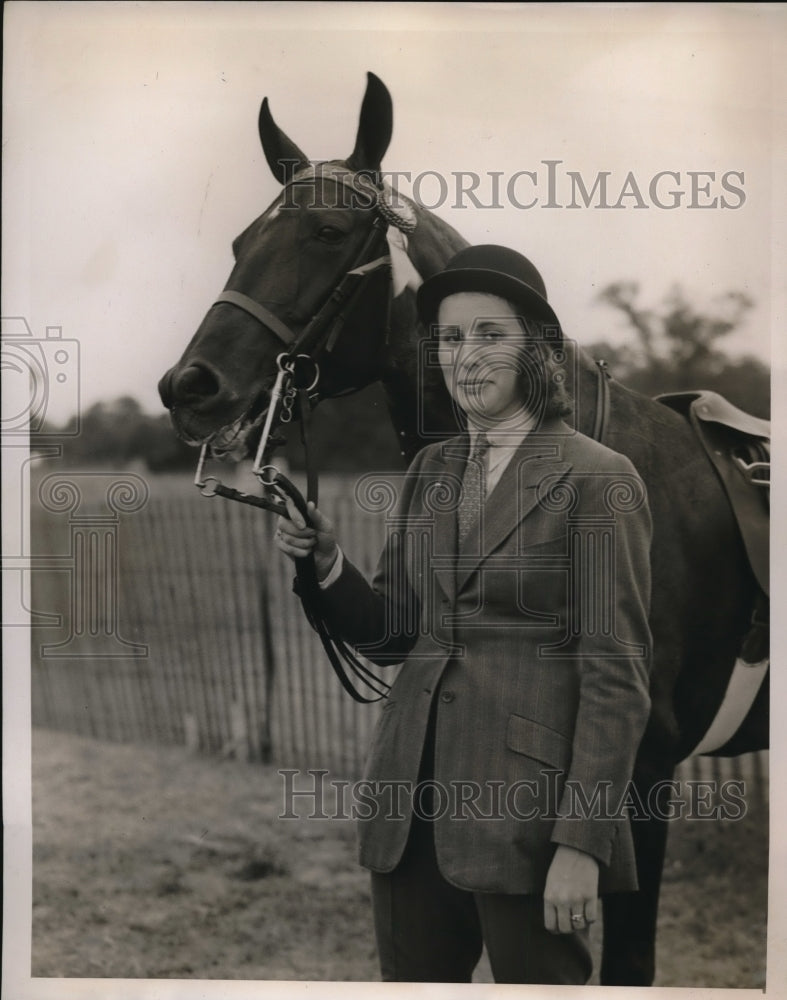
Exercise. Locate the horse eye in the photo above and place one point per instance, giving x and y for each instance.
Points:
(330, 234)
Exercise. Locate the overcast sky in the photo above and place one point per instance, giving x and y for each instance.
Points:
(132, 157)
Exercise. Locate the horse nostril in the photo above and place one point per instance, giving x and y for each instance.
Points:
(195, 383)
(165, 389)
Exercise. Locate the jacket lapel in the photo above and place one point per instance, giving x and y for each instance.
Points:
(514, 497)
(448, 471)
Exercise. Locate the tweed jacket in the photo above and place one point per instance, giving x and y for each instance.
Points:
(532, 638)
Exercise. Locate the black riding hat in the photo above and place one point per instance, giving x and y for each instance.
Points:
(492, 269)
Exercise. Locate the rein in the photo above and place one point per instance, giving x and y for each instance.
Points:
(297, 379)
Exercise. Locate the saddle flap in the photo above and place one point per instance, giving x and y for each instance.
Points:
(738, 446)
(710, 406)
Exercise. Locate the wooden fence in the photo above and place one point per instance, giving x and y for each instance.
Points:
(199, 639)
(210, 649)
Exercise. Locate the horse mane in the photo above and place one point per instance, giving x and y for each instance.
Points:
(429, 248)
(433, 243)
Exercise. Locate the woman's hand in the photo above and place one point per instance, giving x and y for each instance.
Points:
(296, 540)
(571, 891)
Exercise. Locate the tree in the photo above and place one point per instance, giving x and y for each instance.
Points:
(118, 432)
(677, 348)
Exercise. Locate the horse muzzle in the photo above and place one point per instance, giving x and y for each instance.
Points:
(197, 386)
(203, 411)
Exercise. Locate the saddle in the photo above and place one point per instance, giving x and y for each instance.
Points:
(738, 446)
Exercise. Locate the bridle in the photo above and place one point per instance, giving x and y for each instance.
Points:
(298, 372)
(298, 378)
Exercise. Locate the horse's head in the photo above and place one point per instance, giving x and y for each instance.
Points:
(288, 265)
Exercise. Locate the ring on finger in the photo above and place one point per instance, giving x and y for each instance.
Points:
(577, 918)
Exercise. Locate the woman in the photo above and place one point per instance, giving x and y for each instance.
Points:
(497, 776)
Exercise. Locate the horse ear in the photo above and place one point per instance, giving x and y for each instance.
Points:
(283, 156)
(374, 128)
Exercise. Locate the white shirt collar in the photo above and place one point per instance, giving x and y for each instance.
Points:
(507, 433)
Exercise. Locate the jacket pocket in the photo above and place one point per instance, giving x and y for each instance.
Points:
(532, 739)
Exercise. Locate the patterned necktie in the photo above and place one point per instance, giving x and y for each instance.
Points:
(473, 488)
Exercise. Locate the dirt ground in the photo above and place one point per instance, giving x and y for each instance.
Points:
(150, 862)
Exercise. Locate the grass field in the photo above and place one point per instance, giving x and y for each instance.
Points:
(150, 862)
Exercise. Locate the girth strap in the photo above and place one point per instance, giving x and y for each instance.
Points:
(602, 402)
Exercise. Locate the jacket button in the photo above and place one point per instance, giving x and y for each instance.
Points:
(447, 696)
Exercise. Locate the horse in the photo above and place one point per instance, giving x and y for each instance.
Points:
(287, 264)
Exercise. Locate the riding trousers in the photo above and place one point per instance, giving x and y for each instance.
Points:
(431, 931)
